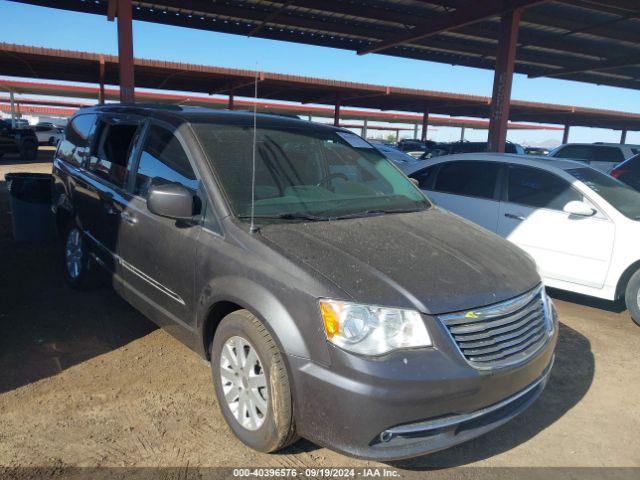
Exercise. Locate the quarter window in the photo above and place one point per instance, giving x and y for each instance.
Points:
(539, 189)
(79, 129)
(470, 178)
(163, 160)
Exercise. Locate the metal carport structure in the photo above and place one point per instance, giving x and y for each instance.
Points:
(594, 41)
(44, 63)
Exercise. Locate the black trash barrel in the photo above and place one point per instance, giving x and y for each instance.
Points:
(30, 199)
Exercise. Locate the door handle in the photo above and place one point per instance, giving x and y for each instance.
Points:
(514, 216)
(128, 218)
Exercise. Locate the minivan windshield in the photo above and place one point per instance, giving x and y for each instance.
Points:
(622, 197)
(304, 173)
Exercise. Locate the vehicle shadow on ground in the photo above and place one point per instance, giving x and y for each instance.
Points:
(570, 380)
(44, 156)
(607, 305)
(45, 326)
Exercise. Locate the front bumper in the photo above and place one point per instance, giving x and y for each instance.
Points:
(412, 404)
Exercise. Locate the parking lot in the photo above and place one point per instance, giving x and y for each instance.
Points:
(88, 381)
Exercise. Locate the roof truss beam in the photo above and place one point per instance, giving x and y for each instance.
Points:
(471, 12)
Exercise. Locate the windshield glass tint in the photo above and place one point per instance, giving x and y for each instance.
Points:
(304, 171)
(625, 199)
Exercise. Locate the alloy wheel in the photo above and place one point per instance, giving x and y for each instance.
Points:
(244, 382)
(73, 253)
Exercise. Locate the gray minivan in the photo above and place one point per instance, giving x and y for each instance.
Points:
(332, 299)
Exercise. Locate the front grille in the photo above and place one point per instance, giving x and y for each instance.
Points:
(502, 334)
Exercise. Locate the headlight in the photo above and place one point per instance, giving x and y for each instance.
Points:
(371, 330)
(550, 313)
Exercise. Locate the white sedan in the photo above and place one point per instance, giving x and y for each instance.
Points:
(48, 134)
(581, 226)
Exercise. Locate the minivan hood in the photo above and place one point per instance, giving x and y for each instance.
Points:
(432, 260)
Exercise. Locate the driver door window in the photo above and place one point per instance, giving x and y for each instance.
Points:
(163, 160)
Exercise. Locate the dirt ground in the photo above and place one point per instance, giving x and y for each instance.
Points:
(85, 380)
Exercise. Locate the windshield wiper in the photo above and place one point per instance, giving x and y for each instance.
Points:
(288, 216)
(375, 212)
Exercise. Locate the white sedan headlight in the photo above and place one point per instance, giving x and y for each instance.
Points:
(372, 330)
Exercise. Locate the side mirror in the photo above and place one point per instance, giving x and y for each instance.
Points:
(171, 200)
(578, 208)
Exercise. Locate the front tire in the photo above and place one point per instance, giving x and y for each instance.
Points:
(78, 271)
(632, 297)
(252, 384)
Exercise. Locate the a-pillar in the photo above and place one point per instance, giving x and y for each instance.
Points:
(503, 79)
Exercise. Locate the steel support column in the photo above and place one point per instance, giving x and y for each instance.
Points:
(425, 125)
(101, 81)
(231, 105)
(462, 129)
(365, 125)
(336, 113)
(565, 134)
(623, 136)
(503, 79)
(397, 135)
(125, 51)
(13, 110)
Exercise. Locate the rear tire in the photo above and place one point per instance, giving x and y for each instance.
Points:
(255, 400)
(29, 151)
(79, 270)
(632, 297)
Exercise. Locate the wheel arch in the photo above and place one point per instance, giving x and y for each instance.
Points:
(625, 277)
(256, 299)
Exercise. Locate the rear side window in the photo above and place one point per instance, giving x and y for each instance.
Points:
(469, 178)
(163, 160)
(575, 152)
(425, 177)
(606, 154)
(539, 189)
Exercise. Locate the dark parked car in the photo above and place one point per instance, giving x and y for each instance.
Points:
(18, 140)
(333, 301)
(629, 172)
(599, 155)
(536, 151)
(466, 147)
(413, 145)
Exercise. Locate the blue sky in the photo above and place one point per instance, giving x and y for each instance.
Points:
(30, 25)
